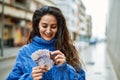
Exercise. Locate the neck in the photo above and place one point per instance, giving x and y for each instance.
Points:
(43, 44)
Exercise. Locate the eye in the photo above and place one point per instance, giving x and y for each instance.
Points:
(44, 26)
(53, 27)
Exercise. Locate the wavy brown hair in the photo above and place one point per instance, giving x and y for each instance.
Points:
(64, 42)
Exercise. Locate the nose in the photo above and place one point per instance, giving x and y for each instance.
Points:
(48, 30)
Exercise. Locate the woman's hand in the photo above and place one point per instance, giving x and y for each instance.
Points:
(59, 58)
(37, 72)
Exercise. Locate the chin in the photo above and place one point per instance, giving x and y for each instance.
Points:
(48, 39)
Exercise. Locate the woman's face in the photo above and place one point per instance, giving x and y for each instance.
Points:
(48, 27)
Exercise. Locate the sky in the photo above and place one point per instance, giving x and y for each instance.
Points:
(98, 10)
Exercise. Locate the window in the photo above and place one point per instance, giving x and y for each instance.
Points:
(24, 4)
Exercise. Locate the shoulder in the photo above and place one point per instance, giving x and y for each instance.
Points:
(24, 47)
(27, 49)
(23, 50)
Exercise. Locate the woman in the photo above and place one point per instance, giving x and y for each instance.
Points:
(49, 32)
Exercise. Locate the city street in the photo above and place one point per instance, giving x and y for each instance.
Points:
(97, 62)
(7, 61)
(94, 25)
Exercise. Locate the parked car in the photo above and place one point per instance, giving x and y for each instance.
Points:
(93, 41)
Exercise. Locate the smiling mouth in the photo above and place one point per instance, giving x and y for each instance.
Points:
(48, 35)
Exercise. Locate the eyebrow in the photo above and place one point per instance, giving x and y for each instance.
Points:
(47, 24)
(44, 23)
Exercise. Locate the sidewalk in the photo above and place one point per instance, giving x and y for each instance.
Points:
(98, 63)
(7, 61)
(9, 52)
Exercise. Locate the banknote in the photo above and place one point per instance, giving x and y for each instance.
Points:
(42, 58)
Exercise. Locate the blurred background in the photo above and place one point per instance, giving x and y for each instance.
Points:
(93, 25)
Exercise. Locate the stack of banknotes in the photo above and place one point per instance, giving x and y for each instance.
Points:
(43, 58)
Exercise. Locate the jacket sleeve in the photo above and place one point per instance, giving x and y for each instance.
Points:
(67, 72)
(17, 71)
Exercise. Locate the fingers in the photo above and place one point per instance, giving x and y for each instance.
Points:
(37, 72)
(37, 76)
(56, 52)
(39, 69)
(59, 57)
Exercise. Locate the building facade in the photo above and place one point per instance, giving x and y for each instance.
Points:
(78, 24)
(17, 20)
(113, 37)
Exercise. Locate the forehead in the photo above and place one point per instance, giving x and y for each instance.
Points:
(48, 19)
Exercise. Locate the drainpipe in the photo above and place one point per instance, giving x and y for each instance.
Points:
(2, 30)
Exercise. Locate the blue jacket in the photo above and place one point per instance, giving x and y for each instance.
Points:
(24, 64)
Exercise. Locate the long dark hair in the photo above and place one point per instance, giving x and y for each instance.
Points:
(63, 42)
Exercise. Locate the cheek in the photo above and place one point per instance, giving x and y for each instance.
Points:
(40, 29)
(55, 32)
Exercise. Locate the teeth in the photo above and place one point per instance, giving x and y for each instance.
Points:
(48, 35)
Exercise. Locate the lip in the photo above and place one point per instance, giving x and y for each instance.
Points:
(48, 35)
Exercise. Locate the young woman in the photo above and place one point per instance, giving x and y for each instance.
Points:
(49, 32)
